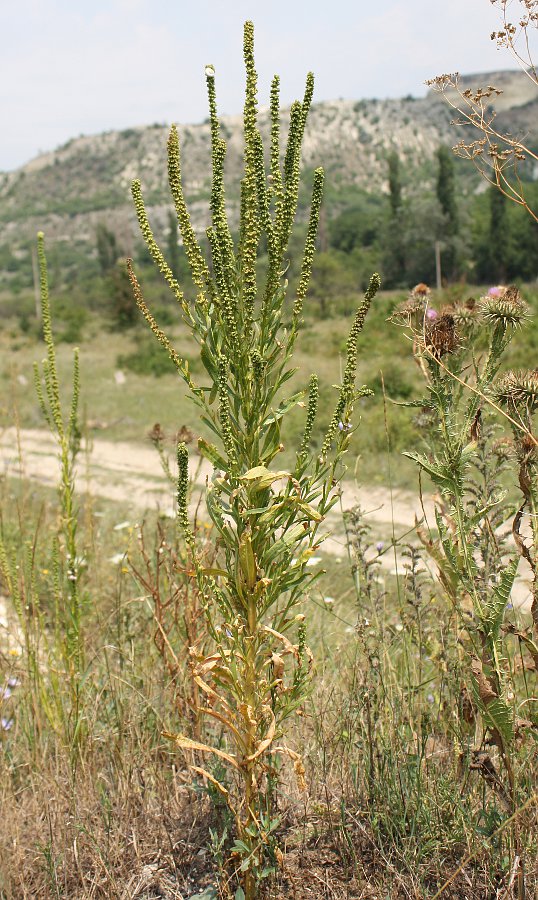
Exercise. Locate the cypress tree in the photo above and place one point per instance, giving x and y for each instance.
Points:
(395, 183)
(446, 195)
(174, 256)
(395, 261)
(107, 248)
(499, 234)
(446, 189)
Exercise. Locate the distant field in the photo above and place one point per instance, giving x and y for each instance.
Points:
(121, 405)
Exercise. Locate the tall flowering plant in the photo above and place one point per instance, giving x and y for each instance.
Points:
(268, 521)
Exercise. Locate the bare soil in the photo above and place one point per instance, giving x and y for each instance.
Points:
(131, 474)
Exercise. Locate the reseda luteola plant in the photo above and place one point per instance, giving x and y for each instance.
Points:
(64, 644)
(268, 521)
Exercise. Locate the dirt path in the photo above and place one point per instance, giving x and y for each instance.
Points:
(131, 474)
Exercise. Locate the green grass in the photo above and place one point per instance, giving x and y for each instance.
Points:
(126, 412)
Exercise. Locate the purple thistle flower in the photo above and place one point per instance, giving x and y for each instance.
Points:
(431, 313)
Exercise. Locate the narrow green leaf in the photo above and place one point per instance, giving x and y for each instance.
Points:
(211, 453)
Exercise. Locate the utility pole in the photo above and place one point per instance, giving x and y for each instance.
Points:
(438, 264)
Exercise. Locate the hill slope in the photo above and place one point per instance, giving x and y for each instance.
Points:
(66, 192)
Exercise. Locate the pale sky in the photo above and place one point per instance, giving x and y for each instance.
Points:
(69, 67)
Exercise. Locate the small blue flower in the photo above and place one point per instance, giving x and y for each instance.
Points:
(344, 426)
(379, 546)
(6, 724)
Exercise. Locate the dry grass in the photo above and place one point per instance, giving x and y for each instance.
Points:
(392, 807)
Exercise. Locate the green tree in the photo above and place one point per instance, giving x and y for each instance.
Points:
(331, 279)
(446, 195)
(124, 308)
(174, 254)
(107, 248)
(395, 183)
(446, 189)
(358, 225)
(394, 264)
(499, 234)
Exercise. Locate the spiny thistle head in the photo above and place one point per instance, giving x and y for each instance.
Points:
(507, 308)
(466, 316)
(519, 389)
(156, 435)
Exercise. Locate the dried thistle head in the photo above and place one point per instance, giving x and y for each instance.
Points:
(527, 451)
(506, 307)
(156, 434)
(184, 435)
(420, 291)
(413, 308)
(441, 336)
(518, 389)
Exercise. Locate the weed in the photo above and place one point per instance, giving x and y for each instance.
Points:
(267, 520)
(476, 569)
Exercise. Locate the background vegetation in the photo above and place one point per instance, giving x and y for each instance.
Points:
(125, 653)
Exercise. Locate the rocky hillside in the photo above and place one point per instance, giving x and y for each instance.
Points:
(66, 192)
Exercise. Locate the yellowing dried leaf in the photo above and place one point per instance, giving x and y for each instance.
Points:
(265, 743)
(186, 743)
(278, 665)
(220, 787)
(486, 691)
